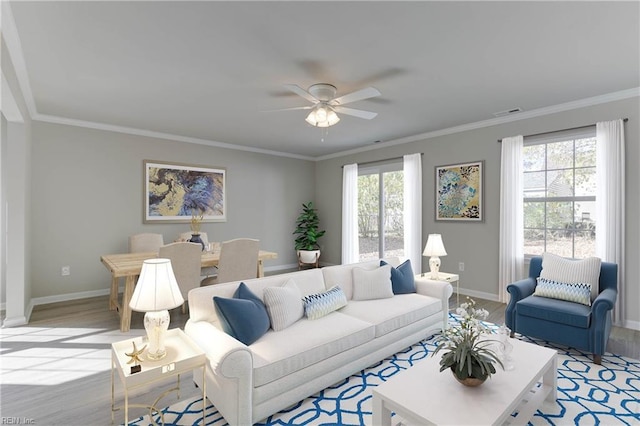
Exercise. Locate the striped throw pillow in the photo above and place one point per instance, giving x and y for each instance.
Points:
(284, 305)
(571, 292)
(321, 304)
(559, 269)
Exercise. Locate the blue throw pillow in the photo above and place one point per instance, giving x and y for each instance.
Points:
(402, 278)
(244, 317)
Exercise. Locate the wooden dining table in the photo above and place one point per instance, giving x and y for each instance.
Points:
(129, 266)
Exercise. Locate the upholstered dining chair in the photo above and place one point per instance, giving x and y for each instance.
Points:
(185, 261)
(139, 243)
(567, 314)
(208, 271)
(238, 261)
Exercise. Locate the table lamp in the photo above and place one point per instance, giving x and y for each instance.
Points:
(434, 248)
(156, 291)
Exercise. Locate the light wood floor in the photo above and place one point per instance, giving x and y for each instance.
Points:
(56, 370)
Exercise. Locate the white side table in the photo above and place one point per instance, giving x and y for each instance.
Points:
(443, 276)
(183, 356)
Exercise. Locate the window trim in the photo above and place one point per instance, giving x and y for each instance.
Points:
(550, 138)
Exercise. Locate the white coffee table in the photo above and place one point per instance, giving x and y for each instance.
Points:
(423, 395)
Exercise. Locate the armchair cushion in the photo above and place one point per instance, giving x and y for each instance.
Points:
(578, 292)
(569, 271)
(556, 311)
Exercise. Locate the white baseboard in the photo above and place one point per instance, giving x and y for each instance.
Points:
(633, 325)
(478, 294)
(68, 296)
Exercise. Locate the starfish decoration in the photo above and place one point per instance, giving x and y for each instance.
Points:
(135, 354)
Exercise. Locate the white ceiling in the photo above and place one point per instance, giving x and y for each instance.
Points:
(210, 70)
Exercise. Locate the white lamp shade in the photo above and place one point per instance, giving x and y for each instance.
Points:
(434, 246)
(322, 116)
(157, 288)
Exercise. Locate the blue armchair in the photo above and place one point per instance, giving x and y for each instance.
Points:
(572, 324)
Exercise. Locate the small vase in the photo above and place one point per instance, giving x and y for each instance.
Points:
(469, 381)
(195, 238)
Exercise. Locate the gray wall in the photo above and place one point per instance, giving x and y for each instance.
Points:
(476, 244)
(87, 198)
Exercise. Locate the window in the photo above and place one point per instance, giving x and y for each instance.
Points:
(380, 211)
(559, 194)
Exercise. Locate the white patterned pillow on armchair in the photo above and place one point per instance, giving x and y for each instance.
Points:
(571, 292)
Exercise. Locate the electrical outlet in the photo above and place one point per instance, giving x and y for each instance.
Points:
(66, 270)
(461, 266)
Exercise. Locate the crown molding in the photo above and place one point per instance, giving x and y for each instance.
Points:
(160, 135)
(582, 103)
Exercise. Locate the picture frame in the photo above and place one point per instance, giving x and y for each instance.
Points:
(173, 192)
(459, 192)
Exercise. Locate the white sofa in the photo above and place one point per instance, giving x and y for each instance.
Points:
(249, 383)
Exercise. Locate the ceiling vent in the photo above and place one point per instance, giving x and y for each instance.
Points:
(507, 112)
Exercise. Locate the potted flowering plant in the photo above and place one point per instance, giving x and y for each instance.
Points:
(467, 353)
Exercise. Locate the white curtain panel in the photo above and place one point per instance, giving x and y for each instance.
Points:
(511, 250)
(610, 190)
(413, 210)
(350, 246)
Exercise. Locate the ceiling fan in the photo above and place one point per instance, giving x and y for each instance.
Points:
(326, 105)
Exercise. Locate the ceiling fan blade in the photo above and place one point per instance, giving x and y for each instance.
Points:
(368, 115)
(301, 92)
(358, 95)
(289, 109)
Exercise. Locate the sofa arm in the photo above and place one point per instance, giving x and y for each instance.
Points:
(440, 290)
(605, 302)
(230, 378)
(518, 291)
(227, 356)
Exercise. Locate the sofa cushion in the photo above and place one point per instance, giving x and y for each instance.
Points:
(554, 310)
(372, 284)
(321, 304)
(284, 304)
(244, 316)
(578, 292)
(274, 355)
(342, 274)
(391, 314)
(402, 278)
(569, 271)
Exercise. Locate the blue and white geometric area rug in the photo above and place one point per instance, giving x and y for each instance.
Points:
(588, 394)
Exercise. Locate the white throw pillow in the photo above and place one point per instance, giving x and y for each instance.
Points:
(372, 284)
(284, 305)
(559, 269)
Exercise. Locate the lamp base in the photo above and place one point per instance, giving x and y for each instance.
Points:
(434, 266)
(156, 324)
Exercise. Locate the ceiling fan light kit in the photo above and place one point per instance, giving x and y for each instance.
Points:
(322, 116)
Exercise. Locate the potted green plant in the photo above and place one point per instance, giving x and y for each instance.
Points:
(307, 234)
(468, 353)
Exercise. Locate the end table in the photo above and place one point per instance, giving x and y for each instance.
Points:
(183, 356)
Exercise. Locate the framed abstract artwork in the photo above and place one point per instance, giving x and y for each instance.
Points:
(459, 192)
(173, 192)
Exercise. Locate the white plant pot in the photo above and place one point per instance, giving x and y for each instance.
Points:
(308, 256)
